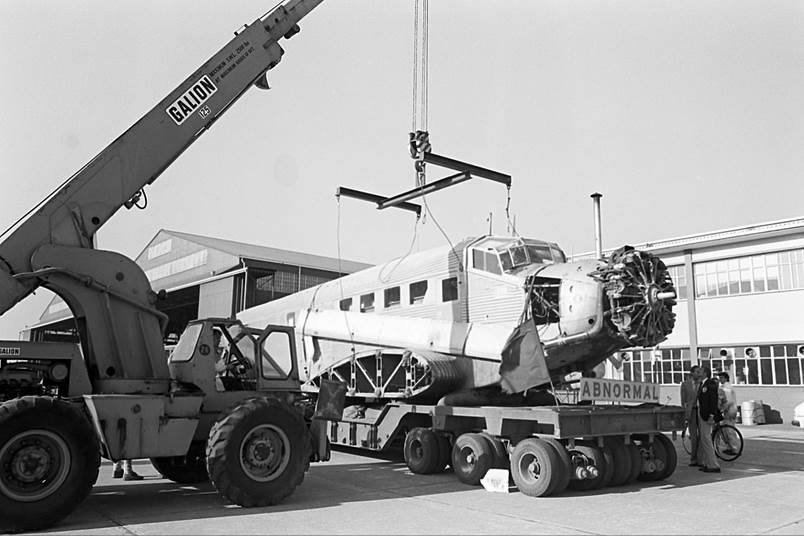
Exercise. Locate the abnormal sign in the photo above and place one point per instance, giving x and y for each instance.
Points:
(618, 390)
(191, 100)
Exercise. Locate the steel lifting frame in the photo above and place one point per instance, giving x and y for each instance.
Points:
(465, 172)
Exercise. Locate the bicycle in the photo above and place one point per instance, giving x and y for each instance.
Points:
(720, 439)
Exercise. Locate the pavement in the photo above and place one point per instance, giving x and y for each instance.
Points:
(355, 493)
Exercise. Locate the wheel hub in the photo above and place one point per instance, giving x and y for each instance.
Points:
(265, 452)
(33, 465)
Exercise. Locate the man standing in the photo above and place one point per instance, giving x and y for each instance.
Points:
(689, 400)
(707, 412)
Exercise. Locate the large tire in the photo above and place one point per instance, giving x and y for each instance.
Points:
(671, 456)
(658, 448)
(444, 452)
(189, 469)
(595, 456)
(49, 459)
(472, 457)
(564, 467)
(621, 461)
(258, 453)
(422, 451)
(501, 459)
(535, 467)
(635, 454)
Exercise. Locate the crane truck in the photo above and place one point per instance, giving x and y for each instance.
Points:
(64, 406)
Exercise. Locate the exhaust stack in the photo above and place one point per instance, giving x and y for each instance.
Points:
(598, 237)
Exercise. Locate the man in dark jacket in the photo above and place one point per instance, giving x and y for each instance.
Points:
(708, 412)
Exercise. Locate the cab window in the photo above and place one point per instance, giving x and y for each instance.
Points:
(187, 343)
(277, 359)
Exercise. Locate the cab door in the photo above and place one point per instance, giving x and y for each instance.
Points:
(275, 359)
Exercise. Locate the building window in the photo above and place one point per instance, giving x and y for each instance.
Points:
(367, 303)
(679, 276)
(777, 364)
(417, 291)
(769, 272)
(669, 366)
(392, 296)
(345, 304)
(449, 289)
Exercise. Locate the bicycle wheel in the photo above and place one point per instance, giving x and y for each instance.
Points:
(728, 442)
(685, 440)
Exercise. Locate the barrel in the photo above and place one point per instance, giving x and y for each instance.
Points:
(752, 412)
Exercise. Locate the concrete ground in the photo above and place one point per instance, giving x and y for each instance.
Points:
(760, 493)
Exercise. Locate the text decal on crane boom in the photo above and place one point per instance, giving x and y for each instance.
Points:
(191, 100)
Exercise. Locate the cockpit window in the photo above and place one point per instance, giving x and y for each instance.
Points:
(539, 254)
(518, 255)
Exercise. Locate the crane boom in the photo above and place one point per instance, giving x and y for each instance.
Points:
(74, 213)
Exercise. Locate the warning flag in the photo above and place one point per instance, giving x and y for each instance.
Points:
(523, 364)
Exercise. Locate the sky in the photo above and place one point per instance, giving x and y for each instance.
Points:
(688, 116)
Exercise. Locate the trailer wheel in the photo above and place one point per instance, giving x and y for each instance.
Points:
(671, 456)
(258, 453)
(636, 462)
(49, 459)
(422, 451)
(501, 459)
(589, 454)
(660, 456)
(472, 457)
(621, 460)
(535, 467)
(564, 467)
(189, 469)
(608, 472)
(444, 452)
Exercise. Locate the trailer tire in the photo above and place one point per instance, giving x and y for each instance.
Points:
(671, 459)
(621, 460)
(660, 453)
(422, 451)
(49, 459)
(188, 469)
(472, 457)
(501, 459)
(535, 467)
(258, 452)
(595, 455)
(564, 467)
(636, 462)
(444, 452)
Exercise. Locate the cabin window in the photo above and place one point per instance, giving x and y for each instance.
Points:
(417, 291)
(392, 297)
(486, 261)
(346, 304)
(449, 289)
(367, 303)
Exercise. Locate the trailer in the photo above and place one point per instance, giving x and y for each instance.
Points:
(546, 448)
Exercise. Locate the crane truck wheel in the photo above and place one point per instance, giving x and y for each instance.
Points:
(588, 454)
(189, 469)
(472, 457)
(535, 467)
(621, 459)
(422, 451)
(563, 469)
(49, 459)
(258, 452)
